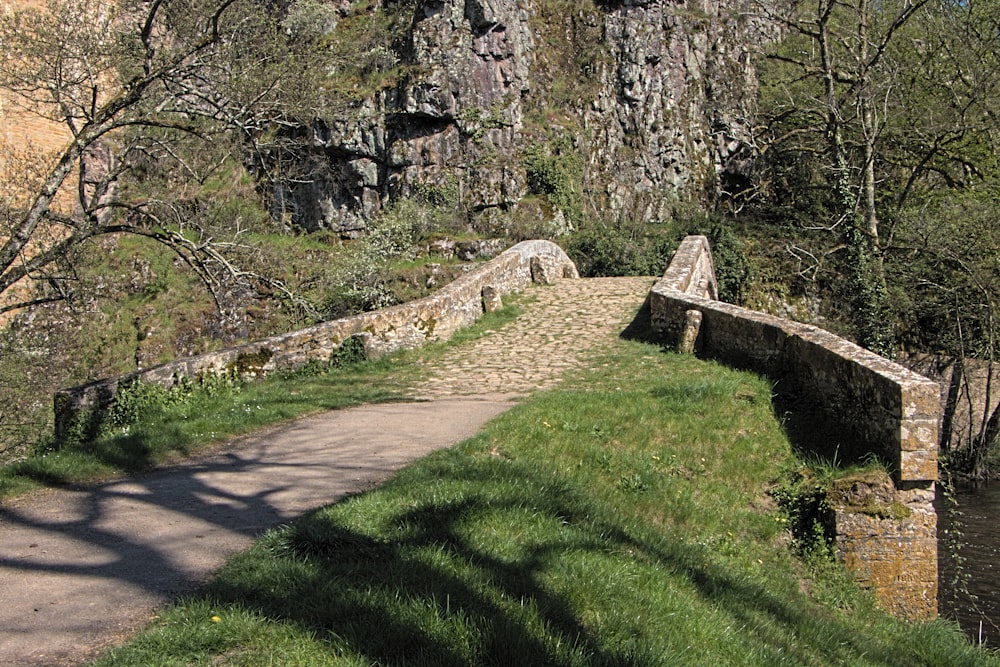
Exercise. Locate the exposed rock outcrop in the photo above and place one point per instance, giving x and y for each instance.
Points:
(671, 116)
(649, 98)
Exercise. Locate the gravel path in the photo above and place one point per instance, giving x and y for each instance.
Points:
(81, 570)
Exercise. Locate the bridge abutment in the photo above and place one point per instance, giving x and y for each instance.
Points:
(846, 403)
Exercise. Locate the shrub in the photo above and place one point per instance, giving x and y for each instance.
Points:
(557, 173)
(621, 249)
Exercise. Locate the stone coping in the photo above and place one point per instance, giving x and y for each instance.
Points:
(864, 403)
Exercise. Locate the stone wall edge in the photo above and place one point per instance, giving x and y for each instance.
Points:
(431, 318)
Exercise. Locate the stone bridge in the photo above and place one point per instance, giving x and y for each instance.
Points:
(843, 402)
(828, 384)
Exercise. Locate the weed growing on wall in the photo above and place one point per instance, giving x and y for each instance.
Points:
(802, 498)
(136, 400)
(351, 351)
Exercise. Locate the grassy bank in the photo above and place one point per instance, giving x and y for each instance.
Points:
(161, 426)
(626, 521)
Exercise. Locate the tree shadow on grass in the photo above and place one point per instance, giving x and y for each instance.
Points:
(152, 534)
(432, 591)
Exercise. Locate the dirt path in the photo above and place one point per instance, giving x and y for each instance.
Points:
(80, 570)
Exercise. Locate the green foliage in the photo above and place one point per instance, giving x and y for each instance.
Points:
(859, 144)
(556, 171)
(621, 249)
(873, 317)
(351, 351)
(947, 271)
(361, 48)
(802, 496)
(358, 282)
(475, 122)
(733, 269)
(438, 197)
(946, 275)
(310, 19)
(136, 400)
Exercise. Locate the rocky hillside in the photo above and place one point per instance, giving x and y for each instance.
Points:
(485, 103)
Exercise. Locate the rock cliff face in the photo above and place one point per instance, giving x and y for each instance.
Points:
(643, 101)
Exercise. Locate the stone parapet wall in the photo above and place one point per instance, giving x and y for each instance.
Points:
(405, 326)
(844, 401)
(876, 404)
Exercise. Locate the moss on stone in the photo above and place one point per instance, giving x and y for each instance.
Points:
(869, 492)
(427, 325)
(250, 363)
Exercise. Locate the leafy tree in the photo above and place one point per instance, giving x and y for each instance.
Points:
(827, 87)
(951, 268)
(880, 134)
(868, 109)
(155, 98)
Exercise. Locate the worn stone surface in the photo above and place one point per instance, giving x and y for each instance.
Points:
(491, 299)
(889, 545)
(672, 108)
(562, 325)
(689, 337)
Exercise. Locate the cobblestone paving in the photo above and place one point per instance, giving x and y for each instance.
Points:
(561, 325)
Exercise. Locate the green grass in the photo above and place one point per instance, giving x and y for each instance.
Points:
(172, 429)
(197, 422)
(622, 520)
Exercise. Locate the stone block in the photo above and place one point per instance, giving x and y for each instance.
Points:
(918, 435)
(918, 466)
(543, 272)
(895, 558)
(491, 299)
(689, 336)
(918, 495)
(921, 398)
